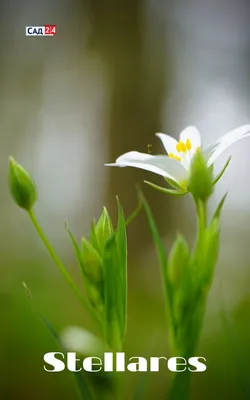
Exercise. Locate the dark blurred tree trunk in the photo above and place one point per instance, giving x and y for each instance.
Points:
(136, 65)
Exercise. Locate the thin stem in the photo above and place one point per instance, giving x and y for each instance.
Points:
(61, 267)
(180, 387)
(201, 209)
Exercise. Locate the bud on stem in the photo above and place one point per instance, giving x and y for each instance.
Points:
(22, 186)
(200, 182)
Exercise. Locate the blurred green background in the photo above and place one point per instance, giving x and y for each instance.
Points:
(114, 74)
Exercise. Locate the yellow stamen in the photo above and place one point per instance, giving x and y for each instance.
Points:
(181, 147)
(188, 144)
(174, 157)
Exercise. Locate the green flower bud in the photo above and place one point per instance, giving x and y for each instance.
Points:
(200, 182)
(95, 298)
(22, 187)
(178, 261)
(103, 229)
(91, 262)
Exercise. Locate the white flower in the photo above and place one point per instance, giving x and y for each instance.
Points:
(176, 164)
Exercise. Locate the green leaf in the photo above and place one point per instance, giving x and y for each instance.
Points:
(165, 190)
(75, 245)
(82, 385)
(115, 284)
(22, 186)
(219, 207)
(156, 236)
(167, 287)
(112, 304)
(121, 244)
(93, 238)
(222, 171)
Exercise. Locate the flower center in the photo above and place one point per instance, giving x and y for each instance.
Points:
(181, 147)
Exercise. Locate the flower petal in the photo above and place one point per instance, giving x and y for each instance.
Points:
(226, 140)
(161, 165)
(168, 142)
(191, 133)
(133, 156)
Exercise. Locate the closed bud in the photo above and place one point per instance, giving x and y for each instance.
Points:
(200, 182)
(92, 263)
(95, 298)
(22, 186)
(103, 229)
(178, 261)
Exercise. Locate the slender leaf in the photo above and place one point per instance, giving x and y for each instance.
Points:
(121, 244)
(161, 255)
(83, 389)
(222, 171)
(165, 190)
(219, 207)
(93, 238)
(75, 246)
(156, 236)
(112, 304)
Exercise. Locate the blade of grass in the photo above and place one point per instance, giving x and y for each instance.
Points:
(161, 256)
(121, 245)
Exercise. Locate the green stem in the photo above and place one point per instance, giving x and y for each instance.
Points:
(61, 267)
(201, 209)
(180, 387)
(190, 331)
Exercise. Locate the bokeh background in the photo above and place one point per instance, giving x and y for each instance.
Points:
(114, 74)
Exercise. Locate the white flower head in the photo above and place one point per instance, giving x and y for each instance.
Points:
(177, 163)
